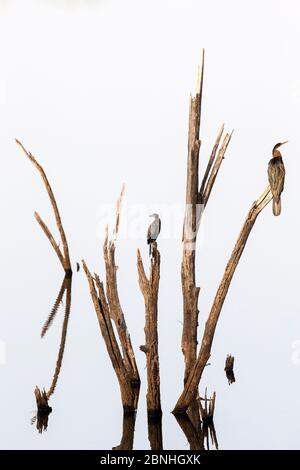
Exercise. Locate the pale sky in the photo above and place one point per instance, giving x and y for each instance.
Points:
(98, 90)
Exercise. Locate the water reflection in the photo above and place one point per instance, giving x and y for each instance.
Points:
(126, 443)
(42, 396)
(202, 437)
(200, 433)
(155, 432)
(41, 420)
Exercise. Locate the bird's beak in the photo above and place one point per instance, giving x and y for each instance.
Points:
(285, 142)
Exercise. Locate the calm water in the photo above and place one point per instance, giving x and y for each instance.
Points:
(87, 411)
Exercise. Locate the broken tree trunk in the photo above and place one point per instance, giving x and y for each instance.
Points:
(149, 288)
(108, 308)
(190, 390)
(196, 200)
(63, 258)
(42, 400)
(229, 363)
(116, 312)
(128, 385)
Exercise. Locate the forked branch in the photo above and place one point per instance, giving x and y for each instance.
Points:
(64, 259)
(190, 390)
(108, 309)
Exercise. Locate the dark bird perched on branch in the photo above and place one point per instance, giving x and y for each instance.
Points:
(153, 231)
(276, 174)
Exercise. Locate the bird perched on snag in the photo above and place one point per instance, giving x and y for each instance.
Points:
(153, 231)
(276, 175)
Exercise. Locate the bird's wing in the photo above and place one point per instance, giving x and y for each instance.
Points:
(276, 174)
(149, 234)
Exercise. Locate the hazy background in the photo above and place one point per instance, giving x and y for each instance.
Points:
(98, 90)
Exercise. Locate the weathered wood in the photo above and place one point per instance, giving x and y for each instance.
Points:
(207, 416)
(190, 390)
(149, 288)
(216, 167)
(115, 308)
(64, 259)
(42, 400)
(108, 308)
(128, 388)
(229, 363)
(196, 200)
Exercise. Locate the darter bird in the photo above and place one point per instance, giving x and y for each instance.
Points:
(153, 231)
(276, 174)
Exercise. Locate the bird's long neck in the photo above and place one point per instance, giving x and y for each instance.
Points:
(276, 153)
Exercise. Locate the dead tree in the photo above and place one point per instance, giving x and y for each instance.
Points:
(149, 288)
(190, 390)
(63, 258)
(108, 308)
(196, 199)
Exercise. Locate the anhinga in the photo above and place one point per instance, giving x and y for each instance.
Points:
(153, 231)
(276, 174)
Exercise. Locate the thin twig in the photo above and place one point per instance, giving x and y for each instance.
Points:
(215, 168)
(50, 238)
(210, 163)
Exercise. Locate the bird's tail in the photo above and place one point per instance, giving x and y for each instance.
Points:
(276, 206)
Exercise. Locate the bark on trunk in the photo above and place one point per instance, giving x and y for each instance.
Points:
(149, 288)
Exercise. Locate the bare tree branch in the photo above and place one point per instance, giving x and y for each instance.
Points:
(50, 238)
(66, 258)
(210, 163)
(190, 390)
(215, 168)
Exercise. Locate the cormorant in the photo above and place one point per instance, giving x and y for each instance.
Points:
(153, 231)
(276, 174)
